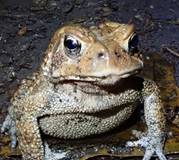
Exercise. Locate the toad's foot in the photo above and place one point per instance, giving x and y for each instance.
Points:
(50, 155)
(9, 127)
(151, 144)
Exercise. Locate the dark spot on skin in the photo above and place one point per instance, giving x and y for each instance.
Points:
(80, 120)
(101, 55)
(117, 54)
(67, 122)
(60, 100)
(95, 125)
(55, 87)
(18, 116)
(75, 88)
(78, 69)
(89, 59)
(48, 106)
(76, 99)
(78, 61)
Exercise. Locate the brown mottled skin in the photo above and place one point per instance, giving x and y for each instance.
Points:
(85, 90)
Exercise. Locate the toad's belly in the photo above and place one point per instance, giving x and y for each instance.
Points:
(79, 125)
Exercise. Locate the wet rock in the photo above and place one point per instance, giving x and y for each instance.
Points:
(170, 113)
(1, 84)
(113, 4)
(106, 11)
(103, 11)
(24, 47)
(91, 4)
(7, 74)
(38, 4)
(79, 2)
(22, 31)
(52, 5)
(5, 60)
(67, 6)
(2, 90)
(139, 17)
(11, 74)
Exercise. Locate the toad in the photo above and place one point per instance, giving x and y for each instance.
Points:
(86, 85)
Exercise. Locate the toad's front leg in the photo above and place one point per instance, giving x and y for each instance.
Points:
(153, 140)
(29, 138)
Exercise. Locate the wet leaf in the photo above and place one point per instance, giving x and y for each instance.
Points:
(22, 31)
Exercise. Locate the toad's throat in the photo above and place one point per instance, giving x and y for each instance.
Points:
(112, 110)
(79, 125)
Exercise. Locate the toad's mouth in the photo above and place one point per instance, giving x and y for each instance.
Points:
(97, 85)
(109, 79)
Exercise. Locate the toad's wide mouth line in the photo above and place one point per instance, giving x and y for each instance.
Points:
(103, 80)
(96, 85)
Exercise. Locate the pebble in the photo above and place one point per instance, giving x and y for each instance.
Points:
(79, 2)
(22, 31)
(67, 6)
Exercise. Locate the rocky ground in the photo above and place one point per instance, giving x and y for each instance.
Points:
(26, 30)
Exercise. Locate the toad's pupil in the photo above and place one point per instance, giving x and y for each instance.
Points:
(70, 44)
(133, 43)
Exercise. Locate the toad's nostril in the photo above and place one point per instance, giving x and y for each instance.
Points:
(117, 54)
(101, 55)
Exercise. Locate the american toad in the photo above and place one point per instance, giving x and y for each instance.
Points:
(86, 85)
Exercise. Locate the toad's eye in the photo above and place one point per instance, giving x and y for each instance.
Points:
(72, 46)
(133, 43)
